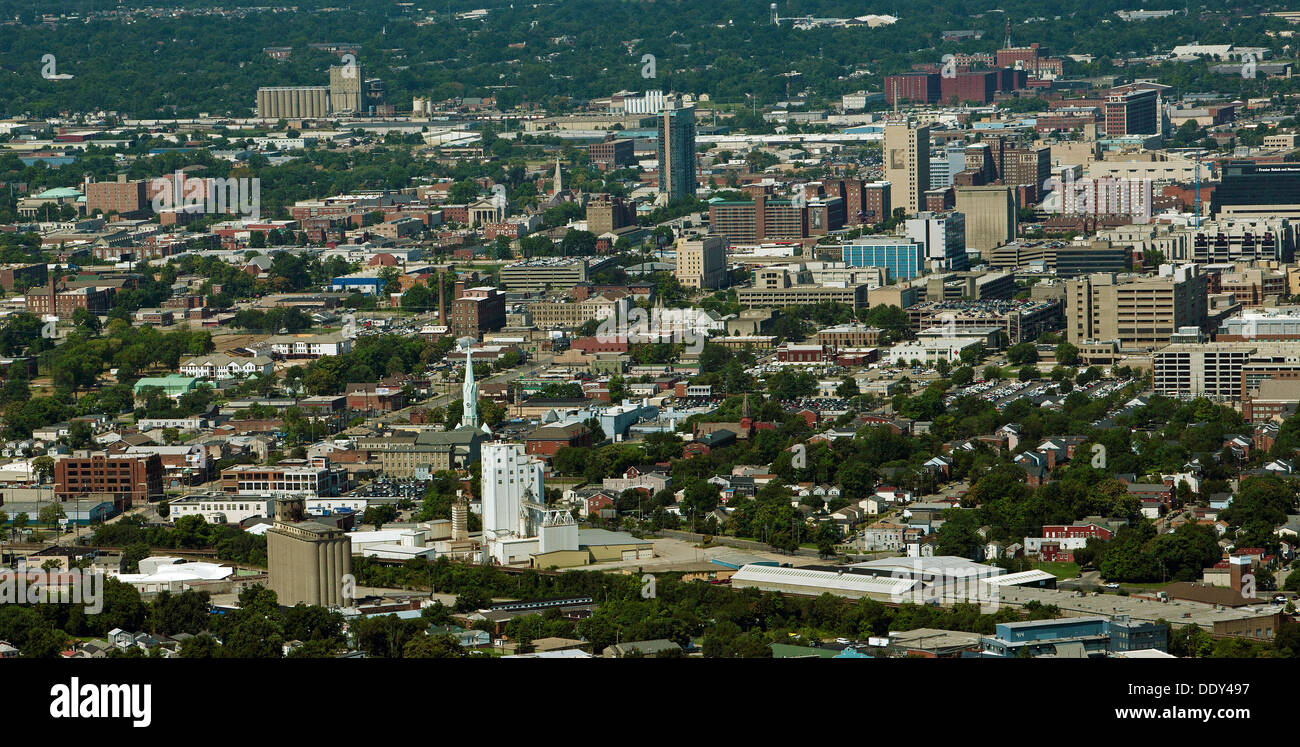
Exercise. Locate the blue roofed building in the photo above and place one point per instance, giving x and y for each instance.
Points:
(1075, 637)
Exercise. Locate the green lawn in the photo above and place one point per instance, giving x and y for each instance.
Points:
(1145, 586)
(1062, 571)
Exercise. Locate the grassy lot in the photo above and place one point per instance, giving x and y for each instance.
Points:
(1148, 586)
(1062, 571)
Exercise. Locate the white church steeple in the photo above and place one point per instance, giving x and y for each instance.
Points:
(469, 395)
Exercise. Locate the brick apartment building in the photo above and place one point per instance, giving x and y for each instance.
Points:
(922, 88)
(130, 480)
(606, 213)
(23, 276)
(612, 154)
(547, 440)
(94, 300)
(977, 86)
(126, 198)
(864, 202)
(374, 398)
(775, 219)
(478, 310)
(1033, 58)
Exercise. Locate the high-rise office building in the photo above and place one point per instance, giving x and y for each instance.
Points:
(944, 167)
(975, 85)
(1257, 190)
(1025, 165)
(1132, 111)
(907, 164)
(990, 215)
(864, 203)
(761, 220)
(942, 238)
(702, 263)
(677, 153)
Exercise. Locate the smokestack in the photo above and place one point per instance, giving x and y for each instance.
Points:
(442, 298)
(459, 519)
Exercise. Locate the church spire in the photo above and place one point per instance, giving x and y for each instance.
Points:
(559, 180)
(469, 395)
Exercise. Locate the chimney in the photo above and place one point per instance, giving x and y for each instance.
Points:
(459, 518)
(442, 298)
(1238, 566)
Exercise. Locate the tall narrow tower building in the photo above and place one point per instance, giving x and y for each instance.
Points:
(907, 165)
(677, 153)
(469, 395)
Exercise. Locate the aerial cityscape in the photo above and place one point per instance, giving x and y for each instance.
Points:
(649, 329)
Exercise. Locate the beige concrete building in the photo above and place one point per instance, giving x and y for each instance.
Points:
(1141, 313)
(293, 102)
(990, 215)
(1076, 152)
(553, 314)
(432, 451)
(907, 164)
(307, 560)
(540, 273)
(345, 88)
(1174, 243)
(702, 263)
(901, 296)
(797, 295)
(849, 336)
(1153, 166)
